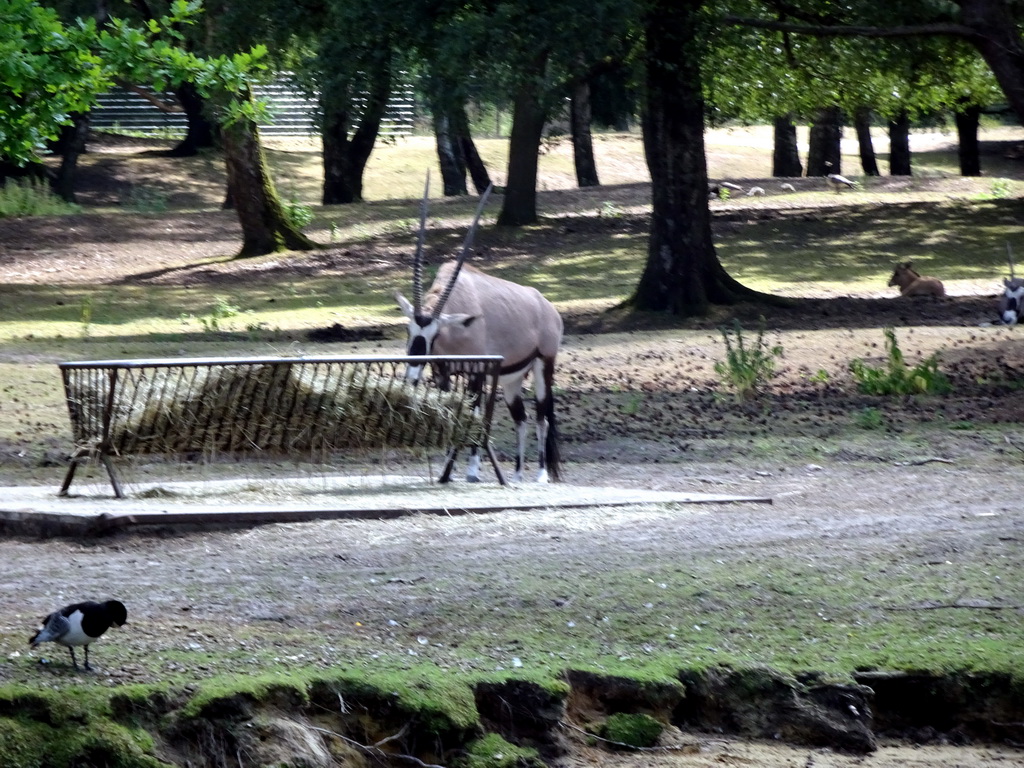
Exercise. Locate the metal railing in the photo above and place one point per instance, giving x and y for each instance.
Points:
(296, 407)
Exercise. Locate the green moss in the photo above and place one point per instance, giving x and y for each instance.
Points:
(227, 695)
(634, 730)
(492, 751)
(439, 699)
(25, 743)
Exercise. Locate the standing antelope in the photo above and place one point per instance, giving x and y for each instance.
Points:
(467, 312)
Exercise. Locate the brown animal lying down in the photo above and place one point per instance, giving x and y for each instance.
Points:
(911, 283)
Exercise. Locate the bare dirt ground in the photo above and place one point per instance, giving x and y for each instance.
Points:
(941, 497)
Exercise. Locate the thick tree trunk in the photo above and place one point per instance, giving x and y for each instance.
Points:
(899, 145)
(449, 155)
(201, 133)
(520, 203)
(967, 120)
(265, 229)
(682, 274)
(998, 40)
(862, 124)
(582, 140)
(70, 145)
(477, 170)
(345, 157)
(824, 155)
(786, 152)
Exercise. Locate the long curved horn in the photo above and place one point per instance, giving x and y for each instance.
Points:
(417, 262)
(465, 252)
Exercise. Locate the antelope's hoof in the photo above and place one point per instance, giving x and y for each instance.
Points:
(472, 479)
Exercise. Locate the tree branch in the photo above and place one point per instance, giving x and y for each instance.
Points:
(161, 104)
(829, 30)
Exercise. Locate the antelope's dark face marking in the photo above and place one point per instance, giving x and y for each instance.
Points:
(423, 331)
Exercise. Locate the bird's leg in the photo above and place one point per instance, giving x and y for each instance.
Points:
(87, 667)
(74, 661)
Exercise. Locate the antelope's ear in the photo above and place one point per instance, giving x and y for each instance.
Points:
(404, 305)
(460, 318)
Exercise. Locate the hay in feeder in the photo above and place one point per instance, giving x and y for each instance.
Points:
(276, 408)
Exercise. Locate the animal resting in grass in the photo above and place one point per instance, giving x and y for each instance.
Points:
(467, 312)
(80, 624)
(912, 283)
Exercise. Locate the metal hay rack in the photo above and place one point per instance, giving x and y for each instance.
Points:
(263, 407)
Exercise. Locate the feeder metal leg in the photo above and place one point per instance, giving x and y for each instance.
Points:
(68, 478)
(114, 481)
(449, 464)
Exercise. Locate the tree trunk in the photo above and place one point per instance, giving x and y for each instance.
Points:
(265, 229)
(967, 119)
(70, 145)
(786, 152)
(449, 155)
(345, 157)
(520, 203)
(582, 140)
(477, 169)
(824, 155)
(683, 274)
(998, 40)
(899, 145)
(862, 124)
(201, 133)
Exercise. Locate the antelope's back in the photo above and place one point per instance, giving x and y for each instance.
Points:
(512, 320)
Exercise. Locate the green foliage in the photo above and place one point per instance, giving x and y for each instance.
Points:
(48, 70)
(747, 368)
(31, 197)
(898, 378)
(492, 751)
(633, 730)
(869, 418)
(222, 310)
(297, 214)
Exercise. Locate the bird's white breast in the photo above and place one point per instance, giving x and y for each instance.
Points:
(75, 634)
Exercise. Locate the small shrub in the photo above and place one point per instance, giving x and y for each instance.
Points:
(869, 418)
(632, 730)
(898, 378)
(298, 215)
(222, 310)
(31, 197)
(747, 368)
(492, 751)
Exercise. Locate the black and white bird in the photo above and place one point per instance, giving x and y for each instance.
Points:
(80, 624)
(837, 182)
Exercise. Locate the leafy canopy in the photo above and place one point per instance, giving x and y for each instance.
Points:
(51, 69)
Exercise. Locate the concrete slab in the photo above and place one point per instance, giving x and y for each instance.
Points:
(186, 505)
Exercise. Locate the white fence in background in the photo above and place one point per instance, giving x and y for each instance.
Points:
(292, 113)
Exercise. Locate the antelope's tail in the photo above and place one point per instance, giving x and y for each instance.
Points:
(551, 455)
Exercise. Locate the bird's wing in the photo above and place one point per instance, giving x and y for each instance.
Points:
(54, 627)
